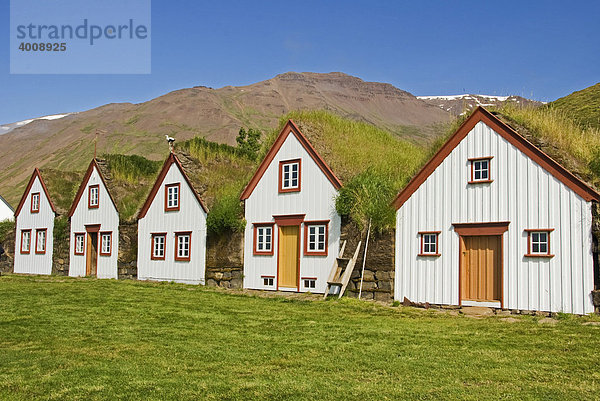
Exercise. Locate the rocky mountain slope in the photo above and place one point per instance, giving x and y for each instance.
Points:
(461, 104)
(217, 114)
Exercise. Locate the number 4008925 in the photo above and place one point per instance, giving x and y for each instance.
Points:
(42, 47)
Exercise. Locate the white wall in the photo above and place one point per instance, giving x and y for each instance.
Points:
(107, 216)
(521, 192)
(6, 213)
(190, 217)
(32, 263)
(316, 199)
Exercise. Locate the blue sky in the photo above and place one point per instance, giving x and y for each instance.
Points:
(537, 49)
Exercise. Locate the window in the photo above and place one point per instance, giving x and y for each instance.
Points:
(263, 238)
(315, 237)
(309, 282)
(480, 170)
(538, 242)
(105, 243)
(289, 176)
(158, 246)
(40, 241)
(25, 241)
(429, 243)
(35, 202)
(182, 246)
(172, 197)
(268, 280)
(93, 196)
(79, 243)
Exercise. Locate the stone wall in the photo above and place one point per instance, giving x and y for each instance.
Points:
(225, 259)
(7, 259)
(127, 260)
(378, 282)
(61, 251)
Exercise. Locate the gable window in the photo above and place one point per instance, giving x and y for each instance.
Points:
(182, 246)
(429, 243)
(172, 197)
(79, 243)
(315, 237)
(480, 170)
(40, 241)
(268, 281)
(263, 238)
(25, 241)
(289, 175)
(35, 202)
(105, 243)
(158, 246)
(538, 242)
(93, 196)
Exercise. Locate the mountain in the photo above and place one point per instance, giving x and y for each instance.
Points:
(6, 128)
(583, 105)
(216, 114)
(461, 104)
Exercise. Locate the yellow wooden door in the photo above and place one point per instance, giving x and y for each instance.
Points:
(91, 254)
(289, 241)
(482, 268)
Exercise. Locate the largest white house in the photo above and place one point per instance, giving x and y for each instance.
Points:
(293, 230)
(492, 220)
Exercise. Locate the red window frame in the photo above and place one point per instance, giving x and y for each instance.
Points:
(530, 231)
(97, 205)
(75, 247)
(309, 279)
(437, 243)
(307, 224)
(28, 251)
(154, 235)
(45, 231)
(255, 250)
(172, 209)
(100, 245)
(472, 160)
(272, 278)
(283, 163)
(177, 257)
(31, 209)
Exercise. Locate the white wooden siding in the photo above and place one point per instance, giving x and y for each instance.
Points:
(316, 200)
(522, 193)
(6, 213)
(190, 217)
(107, 216)
(33, 263)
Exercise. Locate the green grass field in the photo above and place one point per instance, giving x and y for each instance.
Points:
(63, 338)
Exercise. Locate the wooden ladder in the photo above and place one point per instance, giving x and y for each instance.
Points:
(340, 273)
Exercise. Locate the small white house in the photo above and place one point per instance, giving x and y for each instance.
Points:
(34, 228)
(94, 237)
(292, 234)
(172, 229)
(492, 220)
(6, 210)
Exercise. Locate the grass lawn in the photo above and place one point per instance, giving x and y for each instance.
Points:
(63, 338)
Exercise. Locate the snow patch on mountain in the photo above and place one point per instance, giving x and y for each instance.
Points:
(6, 128)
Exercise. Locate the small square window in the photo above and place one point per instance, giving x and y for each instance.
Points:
(429, 243)
(310, 282)
(182, 246)
(263, 239)
(480, 170)
(268, 281)
(172, 197)
(538, 242)
(289, 175)
(35, 202)
(315, 237)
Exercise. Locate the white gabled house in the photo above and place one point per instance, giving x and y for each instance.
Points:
(492, 220)
(34, 217)
(6, 210)
(94, 237)
(172, 229)
(292, 234)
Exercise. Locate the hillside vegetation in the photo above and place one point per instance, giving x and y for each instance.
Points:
(582, 106)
